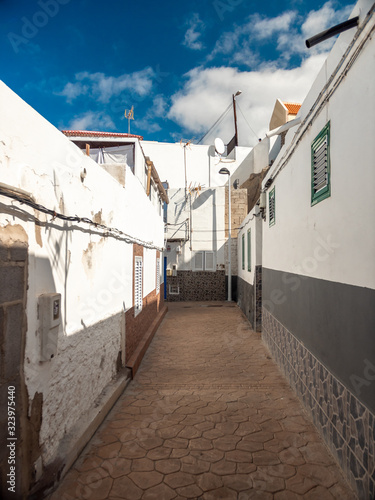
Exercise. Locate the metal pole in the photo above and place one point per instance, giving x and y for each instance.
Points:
(229, 245)
(235, 118)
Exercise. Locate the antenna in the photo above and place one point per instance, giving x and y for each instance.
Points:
(129, 114)
(219, 146)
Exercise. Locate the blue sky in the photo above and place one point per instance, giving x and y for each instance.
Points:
(81, 63)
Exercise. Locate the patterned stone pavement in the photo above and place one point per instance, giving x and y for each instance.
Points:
(208, 416)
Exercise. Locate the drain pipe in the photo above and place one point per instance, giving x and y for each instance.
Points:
(335, 30)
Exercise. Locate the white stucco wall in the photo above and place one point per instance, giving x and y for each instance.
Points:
(335, 239)
(149, 271)
(254, 223)
(254, 162)
(92, 272)
(202, 166)
(206, 219)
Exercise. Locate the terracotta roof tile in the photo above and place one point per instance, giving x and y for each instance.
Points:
(292, 107)
(88, 133)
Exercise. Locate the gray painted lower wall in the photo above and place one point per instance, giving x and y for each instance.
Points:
(245, 300)
(321, 334)
(249, 299)
(335, 321)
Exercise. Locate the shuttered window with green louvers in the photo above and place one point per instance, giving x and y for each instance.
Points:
(272, 207)
(249, 250)
(321, 166)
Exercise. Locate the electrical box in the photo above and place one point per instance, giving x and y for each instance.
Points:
(178, 249)
(49, 319)
(169, 272)
(174, 270)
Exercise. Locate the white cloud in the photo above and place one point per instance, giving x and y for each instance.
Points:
(159, 106)
(102, 87)
(266, 27)
(73, 90)
(208, 92)
(286, 32)
(92, 121)
(193, 33)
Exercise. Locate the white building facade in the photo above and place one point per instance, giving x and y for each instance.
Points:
(81, 287)
(317, 258)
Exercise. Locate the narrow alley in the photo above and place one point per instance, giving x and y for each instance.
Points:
(207, 416)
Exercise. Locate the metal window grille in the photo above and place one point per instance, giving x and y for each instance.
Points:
(138, 277)
(271, 207)
(320, 166)
(157, 276)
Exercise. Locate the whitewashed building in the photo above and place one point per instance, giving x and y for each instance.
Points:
(318, 247)
(81, 287)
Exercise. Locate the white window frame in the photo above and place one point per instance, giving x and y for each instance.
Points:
(205, 255)
(138, 285)
(174, 290)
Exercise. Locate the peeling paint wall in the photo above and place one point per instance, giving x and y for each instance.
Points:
(90, 269)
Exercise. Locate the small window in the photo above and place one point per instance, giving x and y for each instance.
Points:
(138, 278)
(174, 290)
(243, 252)
(271, 207)
(204, 261)
(320, 166)
(249, 250)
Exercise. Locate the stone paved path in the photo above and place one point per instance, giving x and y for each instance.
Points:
(207, 416)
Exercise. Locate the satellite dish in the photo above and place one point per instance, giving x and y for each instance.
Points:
(219, 146)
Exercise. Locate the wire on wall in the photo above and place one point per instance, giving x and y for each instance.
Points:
(111, 231)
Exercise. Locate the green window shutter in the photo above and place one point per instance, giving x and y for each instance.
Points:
(320, 166)
(271, 207)
(249, 250)
(243, 252)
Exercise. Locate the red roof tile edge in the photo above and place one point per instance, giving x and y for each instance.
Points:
(87, 133)
(292, 107)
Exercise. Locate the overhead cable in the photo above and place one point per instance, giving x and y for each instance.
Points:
(111, 231)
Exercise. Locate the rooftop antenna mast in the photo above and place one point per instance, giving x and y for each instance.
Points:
(129, 115)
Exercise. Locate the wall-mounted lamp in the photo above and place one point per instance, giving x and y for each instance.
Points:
(263, 204)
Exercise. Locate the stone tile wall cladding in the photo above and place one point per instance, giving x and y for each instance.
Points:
(197, 285)
(346, 425)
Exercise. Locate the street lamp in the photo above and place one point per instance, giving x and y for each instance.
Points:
(225, 171)
(239, 92)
